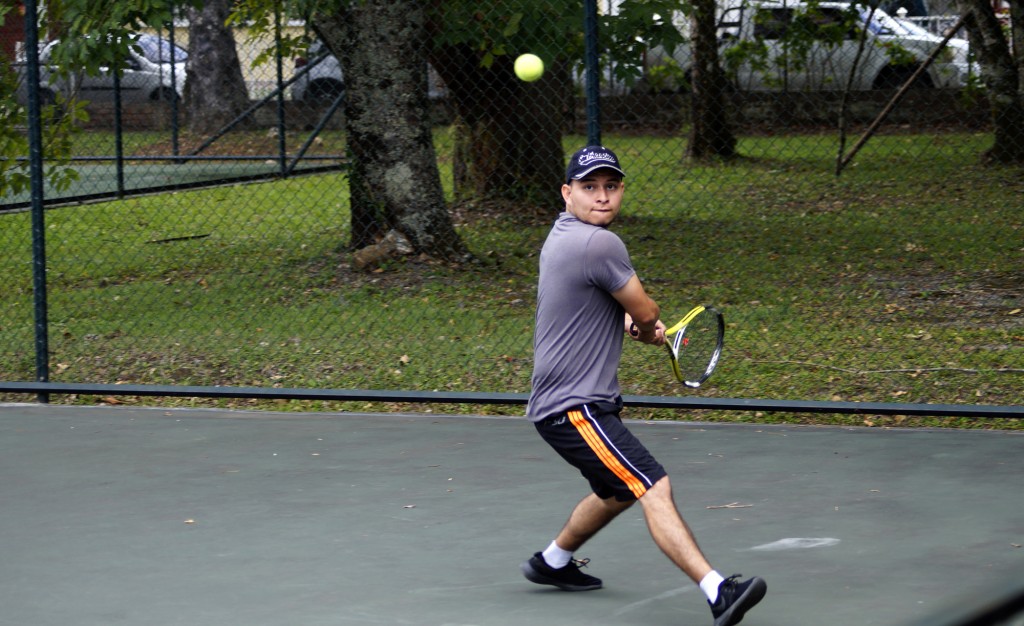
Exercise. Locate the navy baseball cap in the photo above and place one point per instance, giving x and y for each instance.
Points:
(589, 159)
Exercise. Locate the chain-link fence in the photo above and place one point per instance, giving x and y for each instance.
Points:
(840, 213)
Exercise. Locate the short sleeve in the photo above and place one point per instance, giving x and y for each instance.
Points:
(607, 262)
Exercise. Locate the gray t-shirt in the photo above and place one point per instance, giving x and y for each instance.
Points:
(577, 342)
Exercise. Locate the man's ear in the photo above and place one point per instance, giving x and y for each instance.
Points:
(566, 190)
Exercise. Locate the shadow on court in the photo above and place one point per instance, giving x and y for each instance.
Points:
(201, 517)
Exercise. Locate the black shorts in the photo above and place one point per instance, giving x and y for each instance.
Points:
(593, 439)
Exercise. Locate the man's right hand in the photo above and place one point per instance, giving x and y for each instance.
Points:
(655, 336)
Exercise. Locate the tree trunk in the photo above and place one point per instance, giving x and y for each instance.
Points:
(1016, 11)
(710, 135)
(1001, 73)
(215, 91)
(510, 131)
(393, 175)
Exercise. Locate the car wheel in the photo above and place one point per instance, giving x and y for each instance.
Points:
(685, 86)
(164, 94)
(896, 77)
(47, 97)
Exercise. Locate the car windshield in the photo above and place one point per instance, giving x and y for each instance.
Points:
(884, 24)
(160, 50)
(914, 29)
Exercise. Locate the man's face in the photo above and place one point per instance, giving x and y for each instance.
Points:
(596, 198)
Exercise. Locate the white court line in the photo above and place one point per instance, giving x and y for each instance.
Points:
(661, 596)
(797, 543)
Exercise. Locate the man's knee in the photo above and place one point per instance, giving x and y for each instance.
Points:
(660, 490)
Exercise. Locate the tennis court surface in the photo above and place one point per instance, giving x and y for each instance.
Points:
(202, 517)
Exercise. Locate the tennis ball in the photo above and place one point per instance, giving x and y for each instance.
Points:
(529, 67)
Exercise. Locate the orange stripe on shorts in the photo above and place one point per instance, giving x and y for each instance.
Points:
(594, 441)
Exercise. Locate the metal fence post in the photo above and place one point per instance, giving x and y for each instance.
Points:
(281, 146)
(35, 155)
(593, 76)
(174, 85)
(118, 130)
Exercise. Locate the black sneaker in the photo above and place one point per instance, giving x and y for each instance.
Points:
(568, 578)
(736, 598)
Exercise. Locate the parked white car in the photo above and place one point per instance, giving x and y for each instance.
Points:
(960, 53)
(323, 82)
(146, 77)
(753, 44)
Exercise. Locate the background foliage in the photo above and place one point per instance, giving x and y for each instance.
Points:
(901, 280)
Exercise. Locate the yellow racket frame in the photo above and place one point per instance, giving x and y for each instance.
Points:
(673, 345)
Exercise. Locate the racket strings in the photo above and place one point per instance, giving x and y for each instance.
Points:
(696, 345)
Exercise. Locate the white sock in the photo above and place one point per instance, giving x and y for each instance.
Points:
(709, 585)
(556, 557)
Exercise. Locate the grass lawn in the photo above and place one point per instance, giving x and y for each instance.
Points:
(900, 281)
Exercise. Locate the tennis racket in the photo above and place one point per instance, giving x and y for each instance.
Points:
(694, 345)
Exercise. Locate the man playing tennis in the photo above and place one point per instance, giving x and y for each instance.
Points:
(587, 295)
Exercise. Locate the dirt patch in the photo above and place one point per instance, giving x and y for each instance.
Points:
(987, 300)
